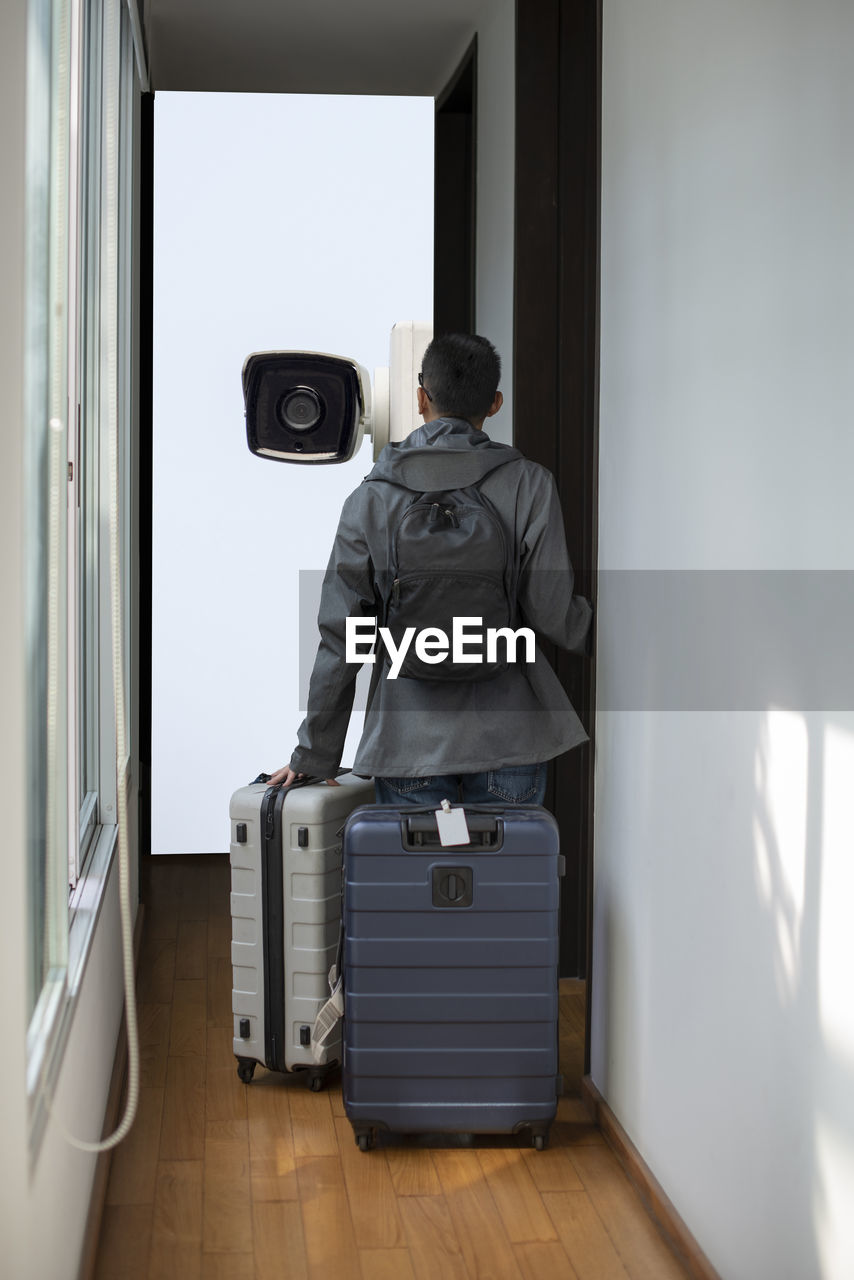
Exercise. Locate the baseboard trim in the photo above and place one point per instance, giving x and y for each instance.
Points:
(89, 1254)
(659, 1206)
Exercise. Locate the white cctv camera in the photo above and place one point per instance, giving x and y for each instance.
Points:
(307, 406)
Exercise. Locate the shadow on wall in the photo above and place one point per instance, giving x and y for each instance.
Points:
(723, 1014)
(804, 878)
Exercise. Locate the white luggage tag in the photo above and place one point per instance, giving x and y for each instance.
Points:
(328, 1017)
(452, 825)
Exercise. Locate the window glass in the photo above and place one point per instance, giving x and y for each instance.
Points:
(45, 481)
(87, 426)
(80, 115)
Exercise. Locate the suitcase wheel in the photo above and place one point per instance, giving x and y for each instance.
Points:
(246, 1069)
(315, 1083)
(541, 1141)
(365, 1140)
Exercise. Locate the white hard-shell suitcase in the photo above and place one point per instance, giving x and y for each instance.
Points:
(286, 918)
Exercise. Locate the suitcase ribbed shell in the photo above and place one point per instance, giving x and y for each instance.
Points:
(300, 924)
(451, 976)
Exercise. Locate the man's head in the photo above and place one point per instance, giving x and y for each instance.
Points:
(459, 378)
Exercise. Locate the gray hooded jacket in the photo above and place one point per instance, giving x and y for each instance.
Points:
(418, 728)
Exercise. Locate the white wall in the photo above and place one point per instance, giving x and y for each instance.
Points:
(61, 1183)
(723, 1029)
(496, 175)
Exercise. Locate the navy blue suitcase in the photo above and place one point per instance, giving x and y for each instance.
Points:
(451, 973)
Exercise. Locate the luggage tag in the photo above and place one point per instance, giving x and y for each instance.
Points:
(328, 1017)
(330, 1013)
(452, 825)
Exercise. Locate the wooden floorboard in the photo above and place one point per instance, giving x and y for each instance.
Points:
(225, 1181)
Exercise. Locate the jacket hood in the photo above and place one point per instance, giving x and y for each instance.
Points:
(447, 453)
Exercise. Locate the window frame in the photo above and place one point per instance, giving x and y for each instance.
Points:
(82, 82)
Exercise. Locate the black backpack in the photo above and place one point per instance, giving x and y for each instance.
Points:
(451, 556)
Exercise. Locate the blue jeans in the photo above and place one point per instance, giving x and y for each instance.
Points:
(516, 784)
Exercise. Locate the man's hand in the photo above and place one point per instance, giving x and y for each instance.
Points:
(285, 776)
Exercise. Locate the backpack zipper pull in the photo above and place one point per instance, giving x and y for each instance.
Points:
(452, 517)
(395, 591)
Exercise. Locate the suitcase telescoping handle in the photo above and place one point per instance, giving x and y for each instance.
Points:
(420, 831)
(297, 782)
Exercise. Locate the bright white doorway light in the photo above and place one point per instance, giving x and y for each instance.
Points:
(281, 222)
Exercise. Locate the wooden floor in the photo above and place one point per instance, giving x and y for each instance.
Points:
(224, 1181)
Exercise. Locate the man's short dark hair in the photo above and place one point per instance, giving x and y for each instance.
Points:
(460, 373)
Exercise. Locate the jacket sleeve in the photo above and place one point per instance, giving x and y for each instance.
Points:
(546, 579)
(348, 591)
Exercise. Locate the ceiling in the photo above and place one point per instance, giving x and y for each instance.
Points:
(290, 46)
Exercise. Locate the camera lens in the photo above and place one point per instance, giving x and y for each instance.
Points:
(301, 409)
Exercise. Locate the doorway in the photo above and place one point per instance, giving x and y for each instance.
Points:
(455, 202)
(271, 233)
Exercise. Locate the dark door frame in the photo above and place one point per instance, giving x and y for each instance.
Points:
(556, 357)
(454, 199)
